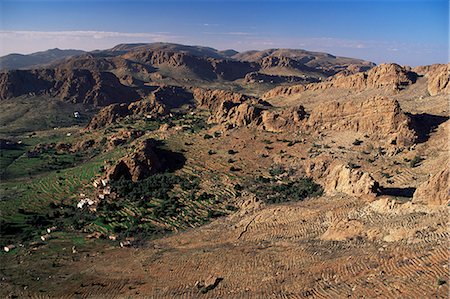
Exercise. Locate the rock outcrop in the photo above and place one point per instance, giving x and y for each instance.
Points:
(107, 116)
(439, 80)
(282, 120)
(380, 118)
(158, 103)
(256, 77)
(230, 108)
(436, 190)
(390, 75)
(341, 178)
(137, 165)
(71, 85)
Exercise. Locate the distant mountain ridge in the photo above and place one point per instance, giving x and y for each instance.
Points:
(128, 72)
(22, 61)
(266, 59)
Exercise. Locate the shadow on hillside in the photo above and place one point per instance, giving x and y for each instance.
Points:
(425, 124)
(400, 192)
(171, 161)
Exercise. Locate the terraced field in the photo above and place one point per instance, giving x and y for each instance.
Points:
(280, 252)
(32, 196)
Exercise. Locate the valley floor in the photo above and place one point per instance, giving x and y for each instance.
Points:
(330, 247)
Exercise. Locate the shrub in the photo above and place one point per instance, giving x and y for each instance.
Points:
(352, 165)
(294, 191)
(277, 170)
(357, 142)
(207, 136)
(415, 161)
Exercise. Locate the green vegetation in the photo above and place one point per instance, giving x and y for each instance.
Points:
(277, 170)
(25, 114)
(43, 201)
(144, 209)
(289, 192)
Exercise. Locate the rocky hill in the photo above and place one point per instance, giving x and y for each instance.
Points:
(189, 63)
(391, 76)
(71, 85)
(21, 61)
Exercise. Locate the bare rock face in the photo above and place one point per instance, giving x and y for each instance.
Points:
(123, 137)
(172, 96)
(284, 91)
(213, 99)
(380, 118)
(158, 103)
(147, 107)
(286, 119)
(231, 108)
(390, 75)
(439, 80)
(342, 179)
(138, 165)
(236, 115)
(435, 191)
(71, 85)
(108, 115)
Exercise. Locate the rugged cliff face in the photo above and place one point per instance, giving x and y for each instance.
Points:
(157, 103)
(137, 165)
(436, 190)
(288, 119)
(390, 75)
(108, 115)
(439, 80)
(378, 117)
(71, 85)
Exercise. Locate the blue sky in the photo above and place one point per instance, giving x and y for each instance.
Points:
(407, 32)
